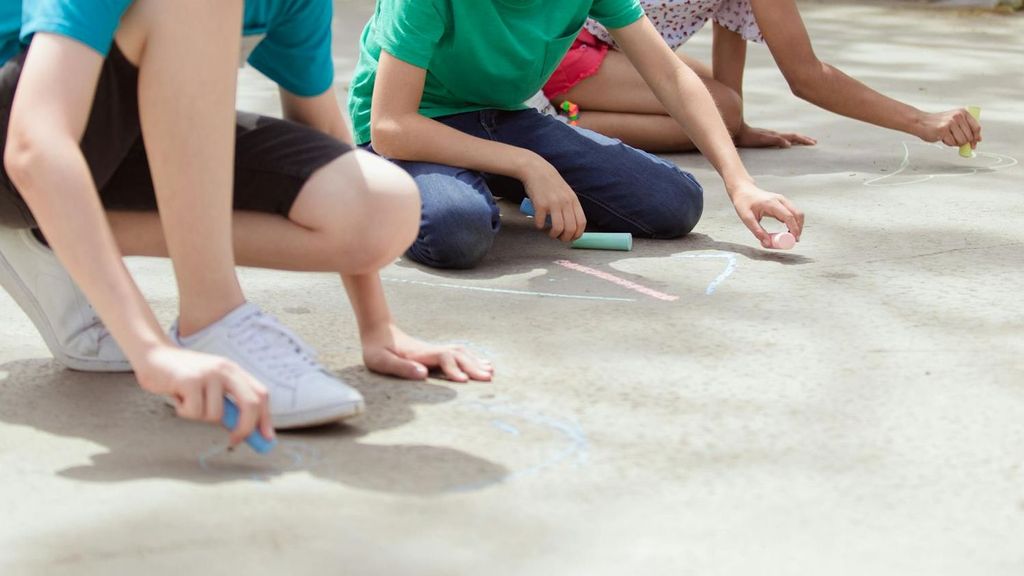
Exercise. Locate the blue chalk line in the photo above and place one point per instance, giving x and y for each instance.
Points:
(729, 268)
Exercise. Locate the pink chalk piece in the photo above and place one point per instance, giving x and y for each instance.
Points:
(783, 241)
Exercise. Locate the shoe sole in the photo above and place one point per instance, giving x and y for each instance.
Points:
(319, 417)
(308, 418)
(10, 280)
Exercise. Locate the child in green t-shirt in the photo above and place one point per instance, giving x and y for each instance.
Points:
(440, 87)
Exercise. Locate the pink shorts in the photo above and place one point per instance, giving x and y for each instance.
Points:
(582, 61)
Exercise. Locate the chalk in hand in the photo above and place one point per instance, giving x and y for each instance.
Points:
(965, 150)
(590, 240)
(527, 207)
(783, 241)
(256, 441)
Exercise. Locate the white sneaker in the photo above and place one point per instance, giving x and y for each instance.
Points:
(38, 282)
(302, 393)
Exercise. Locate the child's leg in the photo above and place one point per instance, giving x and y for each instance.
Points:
(305, 201)
(459, 216)
(650, 132)
(187, 113)
(614, 100)
(279, 168)
(621, 189)
(354, 216)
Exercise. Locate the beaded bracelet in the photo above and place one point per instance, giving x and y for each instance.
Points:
(572, 111)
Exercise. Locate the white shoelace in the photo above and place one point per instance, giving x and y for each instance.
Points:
(278, 350)
(95, 322)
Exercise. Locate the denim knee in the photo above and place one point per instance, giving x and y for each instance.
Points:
(456, 230)
(678, 206)
(460, 238)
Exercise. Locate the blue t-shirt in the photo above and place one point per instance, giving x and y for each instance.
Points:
(10, 23)
(294, 46)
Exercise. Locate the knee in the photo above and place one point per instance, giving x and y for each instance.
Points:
(391, 218)
(678, 207)
(456, 234)
(369, 223)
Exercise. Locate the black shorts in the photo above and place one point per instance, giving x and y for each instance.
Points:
(273, 158)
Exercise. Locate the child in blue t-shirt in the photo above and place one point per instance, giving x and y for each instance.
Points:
(113, 110)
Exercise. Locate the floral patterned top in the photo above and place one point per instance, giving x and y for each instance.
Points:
(677, 20)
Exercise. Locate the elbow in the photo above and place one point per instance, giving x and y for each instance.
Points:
(800, 88)
(23, 156)
(32, 153)
(804, 81)
(386, 138)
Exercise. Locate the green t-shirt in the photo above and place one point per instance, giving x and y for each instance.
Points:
(478, 54)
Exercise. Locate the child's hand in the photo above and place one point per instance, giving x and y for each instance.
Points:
(750, 137)
(388, 350)
(551, 196)
(752, 204)
(953, 128)
(198, 382)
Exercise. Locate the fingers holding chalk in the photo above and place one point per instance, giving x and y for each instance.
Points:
(590, 240)
(622, 241)
(974, 130)
(783, 241)
(255, 440)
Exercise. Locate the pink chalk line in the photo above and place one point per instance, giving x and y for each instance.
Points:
(616, 280)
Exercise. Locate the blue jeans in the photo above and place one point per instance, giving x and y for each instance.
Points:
(620, 188)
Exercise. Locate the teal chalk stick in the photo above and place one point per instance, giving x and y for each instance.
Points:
(591, 240)
(605, 241)
(256, 441)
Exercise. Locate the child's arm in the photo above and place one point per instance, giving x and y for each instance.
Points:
(728, 60)
(823, 85)
(399, 131)
(44, 161)
(388, 350)
(320, 112)
(686, 98)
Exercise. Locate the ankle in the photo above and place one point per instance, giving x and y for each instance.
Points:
(194, 319)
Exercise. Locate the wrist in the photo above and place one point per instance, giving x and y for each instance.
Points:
(373, 329)
(366, 294)
(524, 162)
(916, 122)
(141, 350)
(734, 183)
(145, 362)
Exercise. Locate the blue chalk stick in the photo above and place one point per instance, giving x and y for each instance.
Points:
(256, 441)
(527, 207)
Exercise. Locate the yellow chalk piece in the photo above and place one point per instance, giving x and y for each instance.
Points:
(965, 150)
